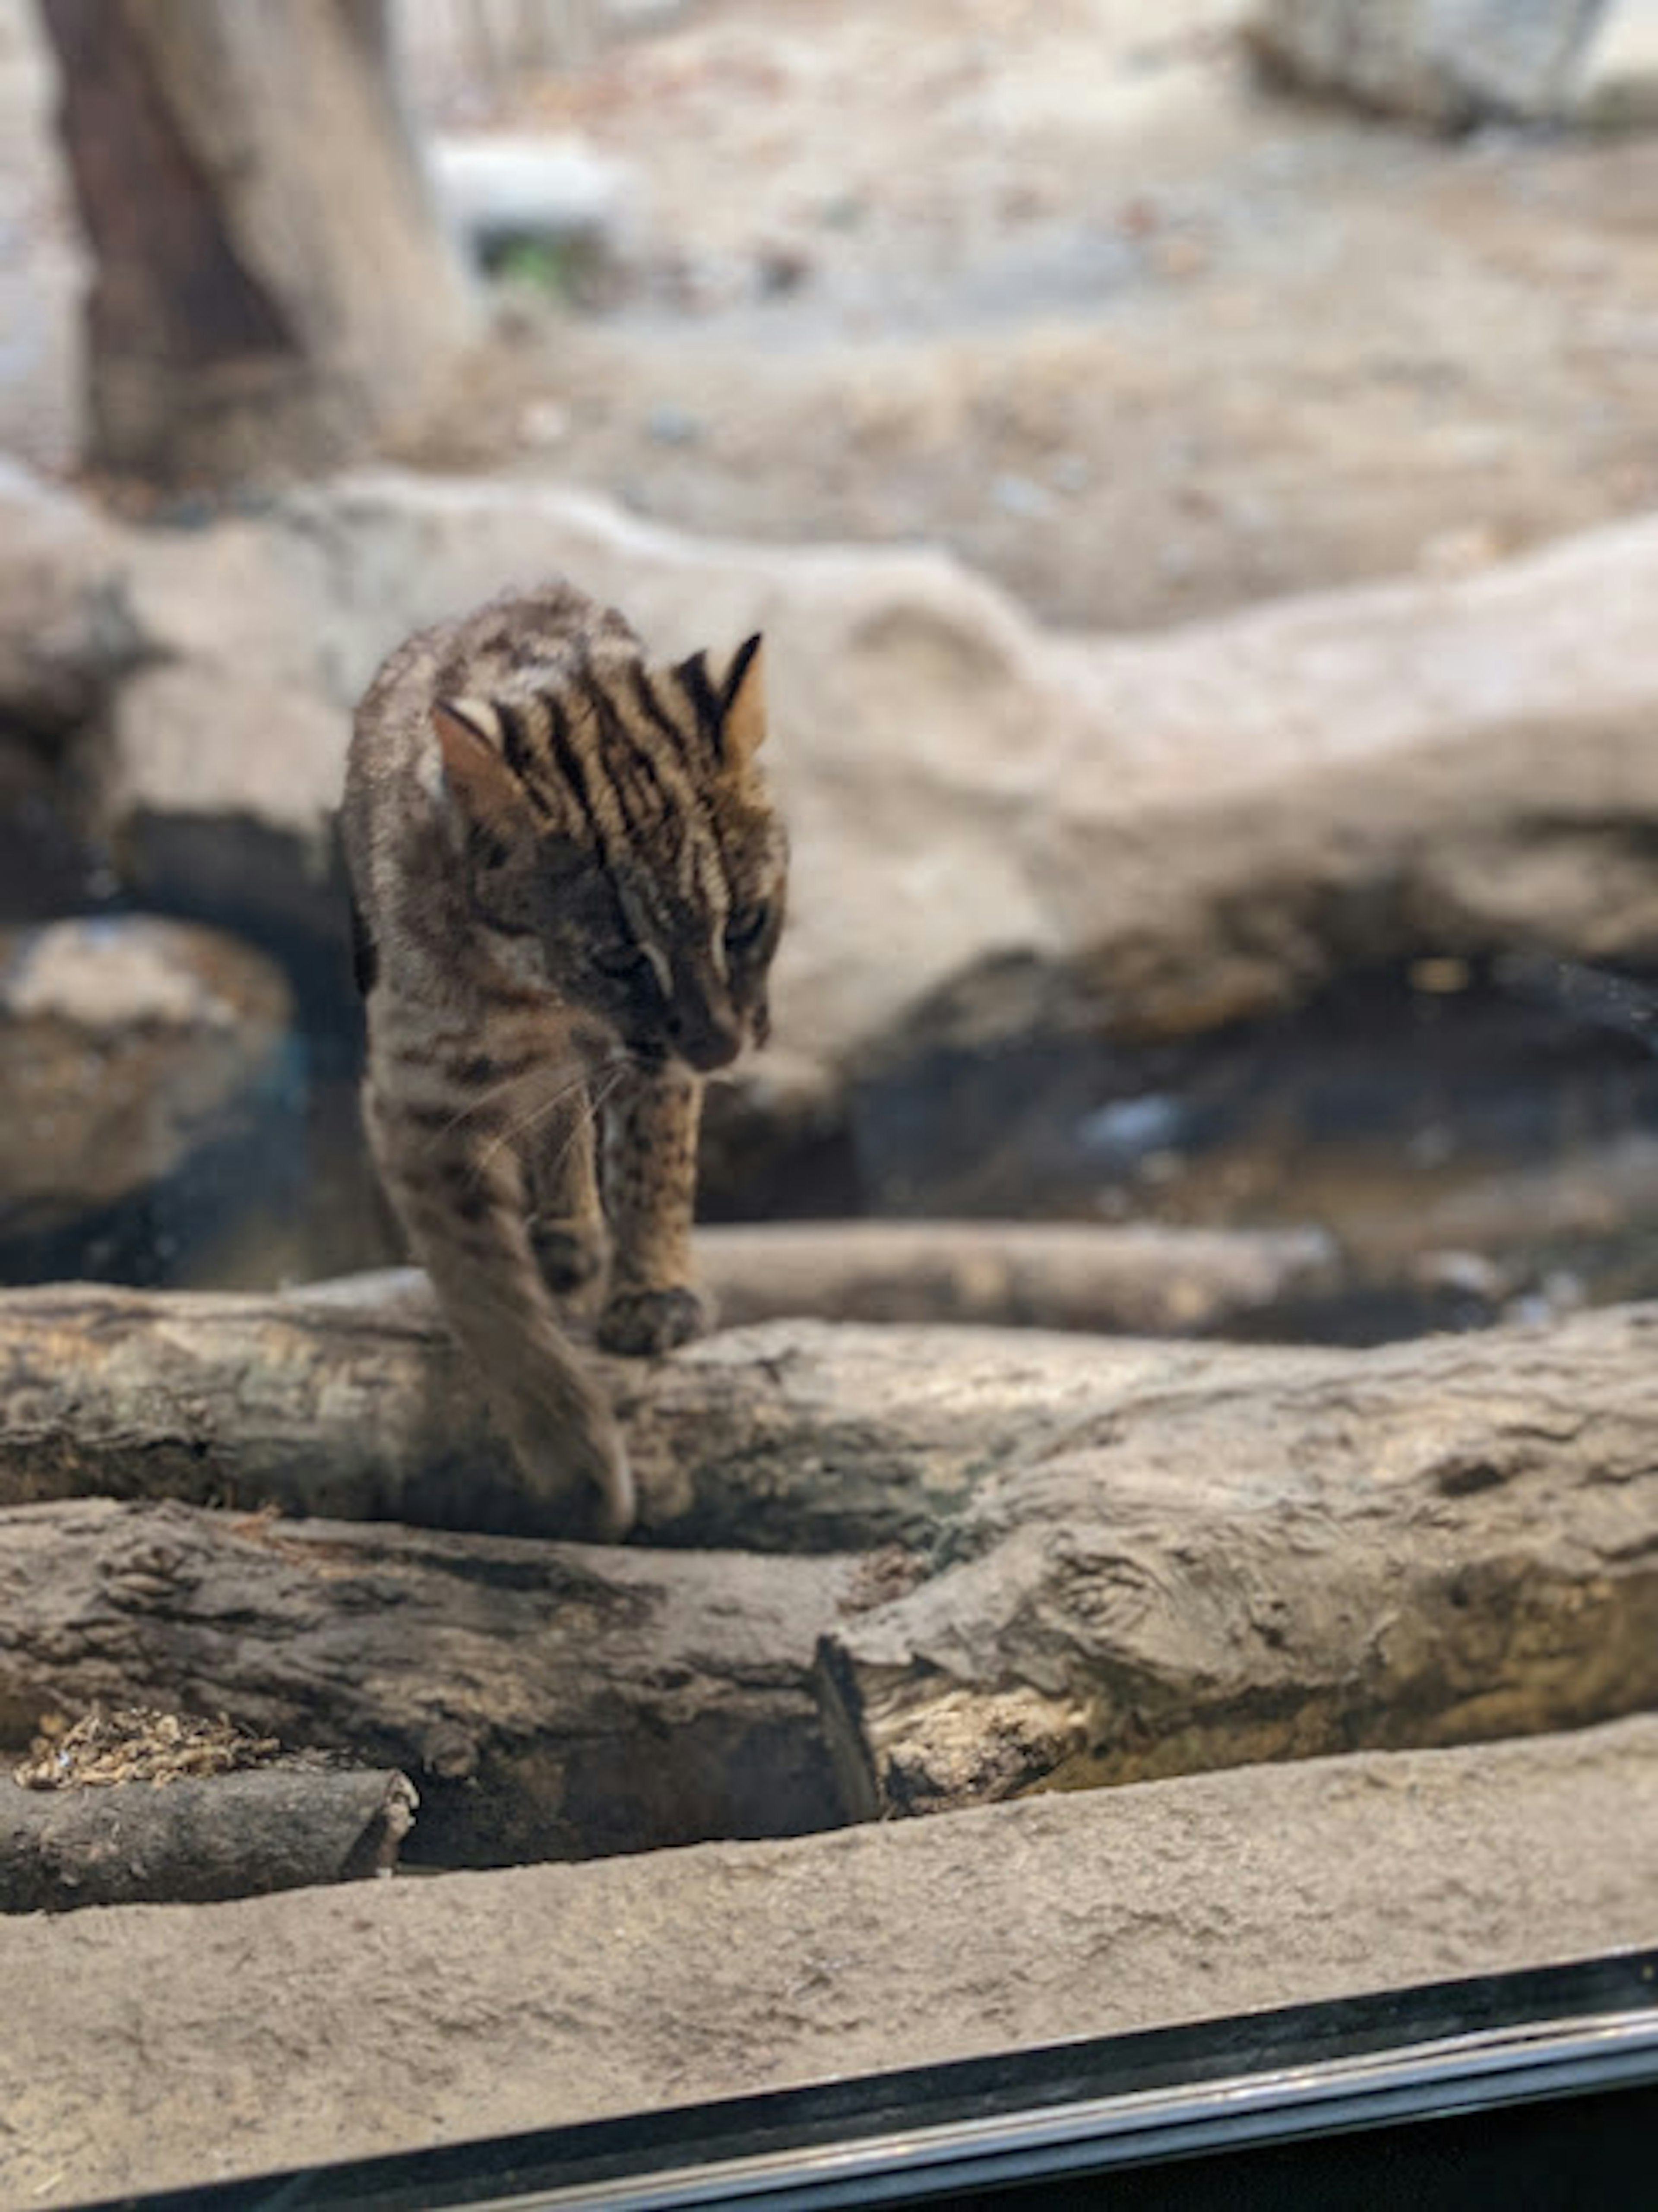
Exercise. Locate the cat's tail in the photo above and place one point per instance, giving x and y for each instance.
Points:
(462, 1205)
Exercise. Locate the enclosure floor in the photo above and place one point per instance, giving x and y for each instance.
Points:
(165, 2046)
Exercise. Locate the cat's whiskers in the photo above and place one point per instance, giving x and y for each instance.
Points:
(496, 1091)
(542, 1110)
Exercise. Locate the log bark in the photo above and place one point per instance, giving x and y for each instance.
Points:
(195, 1842)
(349, 1401)
(1147, 1558)
(347, 1398)
(549, 1701)
(1437, 1543)
(271, 284)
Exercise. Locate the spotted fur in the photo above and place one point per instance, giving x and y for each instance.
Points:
(569, 883)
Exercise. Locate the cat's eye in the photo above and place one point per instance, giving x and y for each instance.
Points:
(746, 927)
(621, 962)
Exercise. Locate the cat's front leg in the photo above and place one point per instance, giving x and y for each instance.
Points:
(650, 1195)
(460, 1190)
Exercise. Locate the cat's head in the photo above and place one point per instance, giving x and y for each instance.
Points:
(619, 842)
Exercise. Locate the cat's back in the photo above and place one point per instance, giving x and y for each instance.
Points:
(479, 652)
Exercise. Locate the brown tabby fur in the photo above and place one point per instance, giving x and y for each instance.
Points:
(568, 886)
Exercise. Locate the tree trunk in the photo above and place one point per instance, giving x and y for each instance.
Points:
(195, 1842)
(547, 1701)
(271, 283)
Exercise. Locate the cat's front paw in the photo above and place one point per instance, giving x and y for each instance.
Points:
(641, 1322)
(569, 1252)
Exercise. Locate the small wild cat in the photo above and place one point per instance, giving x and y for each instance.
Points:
(569, 883)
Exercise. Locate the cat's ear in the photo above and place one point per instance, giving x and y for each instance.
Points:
(742, 694)
(729, 697)
(479, 780)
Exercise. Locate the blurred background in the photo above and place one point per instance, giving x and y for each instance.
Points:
(1197, 467)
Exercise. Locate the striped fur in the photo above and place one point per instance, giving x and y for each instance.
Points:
(569, 883)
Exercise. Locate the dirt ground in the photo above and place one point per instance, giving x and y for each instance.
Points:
(1055, 283)
(1051, 282)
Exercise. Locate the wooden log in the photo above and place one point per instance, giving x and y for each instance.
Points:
(349, 1401)
(1277, 1555)
(1133, 1278)
(547, 1701)
(1153, 1557)
(195, 1842)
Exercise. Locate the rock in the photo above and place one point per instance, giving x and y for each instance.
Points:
(502, 192)
(1199, 824)
(397, 2015)
(1448, 63)
(67, 633)
(1045, 854)
(146, 1068)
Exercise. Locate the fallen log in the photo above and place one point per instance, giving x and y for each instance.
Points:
(197, 1842)
(1134, 1278)
(1276, 1556)
(1151, 1557)
(547, 1701)
(349, 1401)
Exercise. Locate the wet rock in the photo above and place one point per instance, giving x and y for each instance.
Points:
(1468, 1129)
(1448, 63)
(149, 1075)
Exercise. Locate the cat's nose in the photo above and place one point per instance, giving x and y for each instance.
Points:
(705, 1040)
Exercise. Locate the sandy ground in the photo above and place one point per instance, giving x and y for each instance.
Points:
(336, 2023)
(1049, 281)
(1053, 282)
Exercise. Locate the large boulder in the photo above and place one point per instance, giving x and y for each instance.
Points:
(1191, 827)
(145, 1066)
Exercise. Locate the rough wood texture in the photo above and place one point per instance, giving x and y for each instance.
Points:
(349, 1401)
(1278, 1555)
(1148, 1556)
(236, 322)
(548, 1702)
(334, 2024)
(194, 1842)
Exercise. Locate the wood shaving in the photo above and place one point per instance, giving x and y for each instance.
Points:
(137, 1743)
